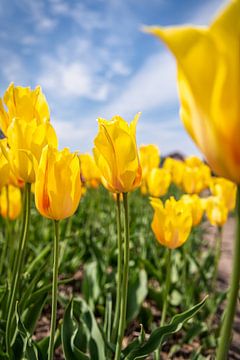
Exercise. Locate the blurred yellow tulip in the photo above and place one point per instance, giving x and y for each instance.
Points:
(149, 158)
(23, 103)
(216, 211)
(58, 183)
(208, 81)
(15, 202)
(116, 154)
(226, 190)
(196, 177)
(158, 182)
(196, 206)
(26, 141)
(171, 223)
(89, 171)
(176, 168)
(4, 165)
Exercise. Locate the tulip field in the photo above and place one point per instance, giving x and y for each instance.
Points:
(115, 254)
(88, 258)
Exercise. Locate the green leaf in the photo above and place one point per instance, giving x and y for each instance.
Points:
(68, 332)
(32, 313)
(80, 331)
(157, 337)
(96, 343)
(138, 290)
(91, 283)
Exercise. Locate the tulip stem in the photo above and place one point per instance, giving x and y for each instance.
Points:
(225, 335)
(18, 265)
(124, 288)
(165, 296)
(167, 286)
(54, 289)
(217, 256)
(6, 241)
(119, 270)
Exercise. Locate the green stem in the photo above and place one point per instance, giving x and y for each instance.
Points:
(225, 335)
(54, 290)
(119, 271)
(124, 288)
(185, 251)
(17, 268)
(167, 287)
(217, 256)
(6, 244)
(165, 296)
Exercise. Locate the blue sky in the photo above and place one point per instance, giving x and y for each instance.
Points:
(92, 60)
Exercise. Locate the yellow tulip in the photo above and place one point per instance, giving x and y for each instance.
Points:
(226, 190)
(176, 169)
(23, 103)
(4, 165)
(89, 171)
(171, 223)
(195, 178)
(196, 206)
(216, 211)
(58, 183)
(158, 182)
(15, 202)
(208, 81)
(149, 158)
(26, 141)
(116, 154)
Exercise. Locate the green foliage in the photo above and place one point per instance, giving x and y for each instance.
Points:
(88, 266)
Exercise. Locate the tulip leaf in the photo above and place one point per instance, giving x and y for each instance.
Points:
(138, 290)
(80, 333)
(158, 336)
(91, 283)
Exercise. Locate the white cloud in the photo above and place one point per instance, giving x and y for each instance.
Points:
(36, 11)
(152, 86)
(170, 136)
(75, 134)
(72, 79)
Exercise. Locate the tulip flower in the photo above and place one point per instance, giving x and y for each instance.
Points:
(195, 203)
(58, 183)
(158, 182)
(149, 159)
(216, 211)
(208, 86)
(89, 171)
(195, 178)
(26, 141)
(226, 190)
(176, 169)
(23, 103)
(14, 200)
(172, 222)
(4, 165)
(116, 154)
